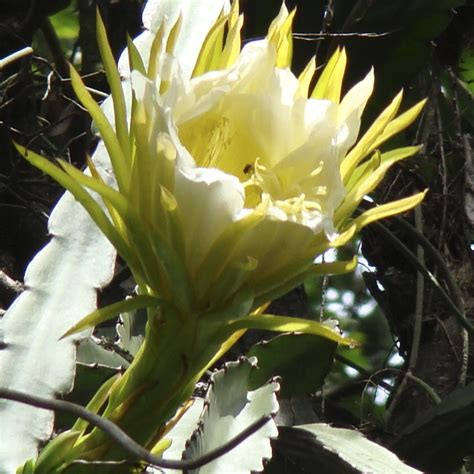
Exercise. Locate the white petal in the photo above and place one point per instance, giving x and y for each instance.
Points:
(208, 201)
(357, 97)
(141, 87)
(198, 16)
(107, 105)
(350, 111)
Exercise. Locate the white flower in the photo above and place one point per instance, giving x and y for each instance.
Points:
(232, 176)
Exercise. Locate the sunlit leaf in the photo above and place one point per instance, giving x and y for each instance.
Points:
(288, 324)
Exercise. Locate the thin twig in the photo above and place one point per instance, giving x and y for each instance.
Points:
(15, 56)
(418, 322)
(468, 198)
(327, 21)
(428, 389)
(324, 287)
(353, 365)
(123, 440)
(454, 291)
(444, 174)
(420, 290)
(8, 284)
(458, 311)
(321, 36)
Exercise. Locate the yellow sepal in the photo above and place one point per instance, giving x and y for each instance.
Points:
(155, 49)
(161, 446)
(400, 123)
(375, 214)
(329, 84)
(389, 209)
(369, 167)
(365, 145)
(305, 77)
(211, 50)
(281, 36)
(232, 45)
(276, 323)
(369, 181)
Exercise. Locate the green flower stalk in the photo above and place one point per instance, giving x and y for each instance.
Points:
(230, 181)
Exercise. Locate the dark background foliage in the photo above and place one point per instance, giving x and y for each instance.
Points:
(420, 403)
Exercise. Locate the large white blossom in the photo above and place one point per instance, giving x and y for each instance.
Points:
(232, 176)
(249, 140)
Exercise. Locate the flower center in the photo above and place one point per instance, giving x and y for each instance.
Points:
(216, 141)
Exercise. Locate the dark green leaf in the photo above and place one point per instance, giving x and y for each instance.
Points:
(301, 360)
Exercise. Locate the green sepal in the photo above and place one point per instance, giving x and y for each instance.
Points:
(364, 169)
(108, 312)
(275, 323)
(107, 133)
(60, 451)
(398, 124)
(369, 180)
(329, 84)
(330, 268)
(142, 262)
(82, 196)
(334, 268)
(96, 403)
(134, 58)
(232, 280)
(377, 213)
(115, 83)
(27, 468)
(211, 50)
(365, 145)
(155, 250)
(161, 446)
(56, 453)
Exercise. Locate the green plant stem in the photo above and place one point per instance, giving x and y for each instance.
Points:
(433, 253)
(420, 291)
(418, 322)
(428, 389)
(161, 378)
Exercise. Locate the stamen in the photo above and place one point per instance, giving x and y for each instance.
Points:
(219, 140)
